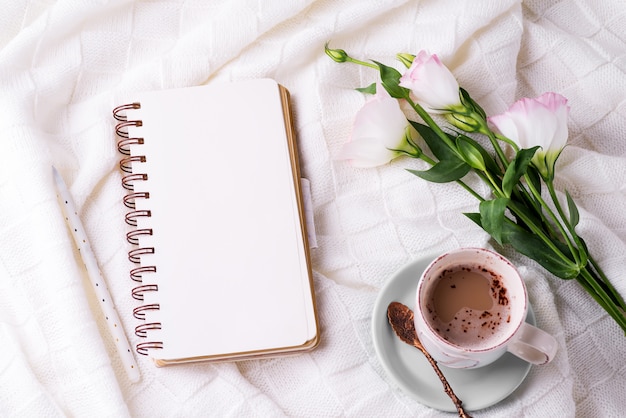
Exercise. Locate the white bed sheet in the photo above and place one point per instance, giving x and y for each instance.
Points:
(65, 64)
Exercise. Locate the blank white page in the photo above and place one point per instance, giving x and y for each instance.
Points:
(230, 253)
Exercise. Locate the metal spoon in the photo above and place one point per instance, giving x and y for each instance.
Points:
(401, 320)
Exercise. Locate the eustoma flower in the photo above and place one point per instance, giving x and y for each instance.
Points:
(380, 133)
(541, 121)
(432, 84)
(515, 213)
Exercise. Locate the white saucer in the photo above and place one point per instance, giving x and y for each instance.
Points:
(411, 372)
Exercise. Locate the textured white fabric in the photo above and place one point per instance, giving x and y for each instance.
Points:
(65, 64)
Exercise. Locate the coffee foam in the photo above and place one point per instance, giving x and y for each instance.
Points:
(464, 318)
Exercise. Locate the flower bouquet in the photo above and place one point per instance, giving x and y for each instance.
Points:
(513, 153)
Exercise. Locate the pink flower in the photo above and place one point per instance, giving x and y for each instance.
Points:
(541, 121)
(432, 84)
(379, 133)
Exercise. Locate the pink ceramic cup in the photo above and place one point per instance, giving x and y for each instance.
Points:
(471, 306)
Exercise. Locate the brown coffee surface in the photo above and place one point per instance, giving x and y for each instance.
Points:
(469, 307)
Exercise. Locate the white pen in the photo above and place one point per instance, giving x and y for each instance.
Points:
(97, 279)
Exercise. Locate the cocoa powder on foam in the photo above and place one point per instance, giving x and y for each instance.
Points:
(469, 307)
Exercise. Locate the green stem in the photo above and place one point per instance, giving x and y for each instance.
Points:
(600, 295)
(470, 190)
(505, 139)
(527, 220)
(495, 144)
(527, 200)
(559, 208)
(602, 279)
(575, 250)
(498, 191)
(433, 125)
(363, 63)
(617, 297)
(538, 231)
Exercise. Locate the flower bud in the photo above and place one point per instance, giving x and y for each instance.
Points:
(338, 55)
(406, 59)
(470, 151)
(464, 122)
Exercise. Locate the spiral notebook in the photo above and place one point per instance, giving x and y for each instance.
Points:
(216, 221)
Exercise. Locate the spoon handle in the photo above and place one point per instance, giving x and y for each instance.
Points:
(446, 385)
(401, 320)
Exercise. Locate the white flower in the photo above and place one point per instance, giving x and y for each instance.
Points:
(432, 84)
(379, 133)
(541, 121)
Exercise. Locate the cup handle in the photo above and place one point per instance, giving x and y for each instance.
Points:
(533, 345)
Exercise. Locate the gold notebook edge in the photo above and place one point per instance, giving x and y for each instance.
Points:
(295, 164)
(244, 355)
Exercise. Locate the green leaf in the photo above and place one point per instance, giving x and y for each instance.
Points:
(532, 246)
(574, 217)
(443, 171)
(436, 145)
(371, 89)
(516, 169)
(450, 167)
(390, 79)
(492, 216)
(475, 217)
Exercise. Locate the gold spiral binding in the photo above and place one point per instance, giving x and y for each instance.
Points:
(123, 146)
(121, 129)
(140, 311)
(144, 348)
(135, 255)
(138, 291)
(129, 199)
(131, 217)
(128, 182)
(118, 112)
(133, 236)
(126, 163)
(142, 330)
(126, 145)
(137, 273)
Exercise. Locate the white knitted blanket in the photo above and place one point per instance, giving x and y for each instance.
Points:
(65, 64)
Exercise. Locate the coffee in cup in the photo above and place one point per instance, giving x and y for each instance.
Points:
(471, 306)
